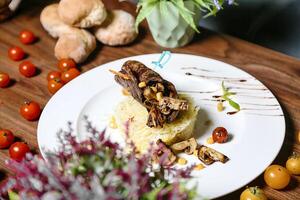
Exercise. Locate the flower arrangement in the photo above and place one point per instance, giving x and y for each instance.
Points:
(94, 168)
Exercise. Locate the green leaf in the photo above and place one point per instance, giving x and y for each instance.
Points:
(232, 103)
(163, 7)
(152, 195)
(224, 88)
(225, 96)
(13, 195)
(186, 14)
(145, 10)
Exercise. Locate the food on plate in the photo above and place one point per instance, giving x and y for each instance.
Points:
(162, 154)
(118, 29)
(199, 167)
(4, 80)
(220, 135)
(77, 46)
(16, 53)
(208, 155)
(186, 146)
(69, 75)
(27, 37)
(155, 114)
(220, 106)
(157, 95)
(6, 138)
(210, 140)
(53, 75)
(181, 161)
(82, 13)
(27, 69)
(30, 110)
(277, 177)
(253, 193)
(112, 123)
(18, 150)
(55, 85)
(65, 64)
(142, 135)
(293, 164)
(52, 23)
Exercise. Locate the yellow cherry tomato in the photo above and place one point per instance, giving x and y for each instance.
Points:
(293, 164)
(277, 177)
(253, 193)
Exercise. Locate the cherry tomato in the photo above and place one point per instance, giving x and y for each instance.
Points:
(277, 177)
(18, 150)
(253, 193)
(6, 138)
(53, 75)
(4, 80)
(293, 164)
(66, 64)
(27, 37)
(16, 53)
(30, 110)
(220, 135)
(26, 68)
(54, 85)
(69, 75)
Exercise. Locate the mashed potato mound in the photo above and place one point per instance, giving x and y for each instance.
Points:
(142, 135)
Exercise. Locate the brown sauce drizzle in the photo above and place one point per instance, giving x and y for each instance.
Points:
(216, 77)
(232, 113)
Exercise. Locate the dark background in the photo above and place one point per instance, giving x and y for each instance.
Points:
(271, 23)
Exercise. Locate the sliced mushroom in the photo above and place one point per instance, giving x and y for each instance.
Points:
(209, 155)
(161, 151)
(188, 146)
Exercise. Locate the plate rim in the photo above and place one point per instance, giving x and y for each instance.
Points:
(86, 74)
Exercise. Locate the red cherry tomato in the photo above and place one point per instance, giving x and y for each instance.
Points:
(54, 85)
(26, 68)
(66, 64)
(27, 37)
(53, 75)
(4, 80)
(220, 135)
(18, 150)
(69, 75)
(16, 53)
(30, 110)
(6, 138)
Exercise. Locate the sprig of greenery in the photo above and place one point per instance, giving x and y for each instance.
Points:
(211, 7)
(226, 95)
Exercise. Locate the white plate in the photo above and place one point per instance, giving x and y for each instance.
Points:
(257, 131)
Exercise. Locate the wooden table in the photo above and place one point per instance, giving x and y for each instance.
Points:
(278, 72)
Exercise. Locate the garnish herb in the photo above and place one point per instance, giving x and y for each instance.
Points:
(226, 95)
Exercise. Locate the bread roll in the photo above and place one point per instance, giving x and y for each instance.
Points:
(77, 45)
(82, 13)
(118, 29)
(51, 22)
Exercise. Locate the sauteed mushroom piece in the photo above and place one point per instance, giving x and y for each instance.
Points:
(209, 155)
(163, 150)
(188, 146)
